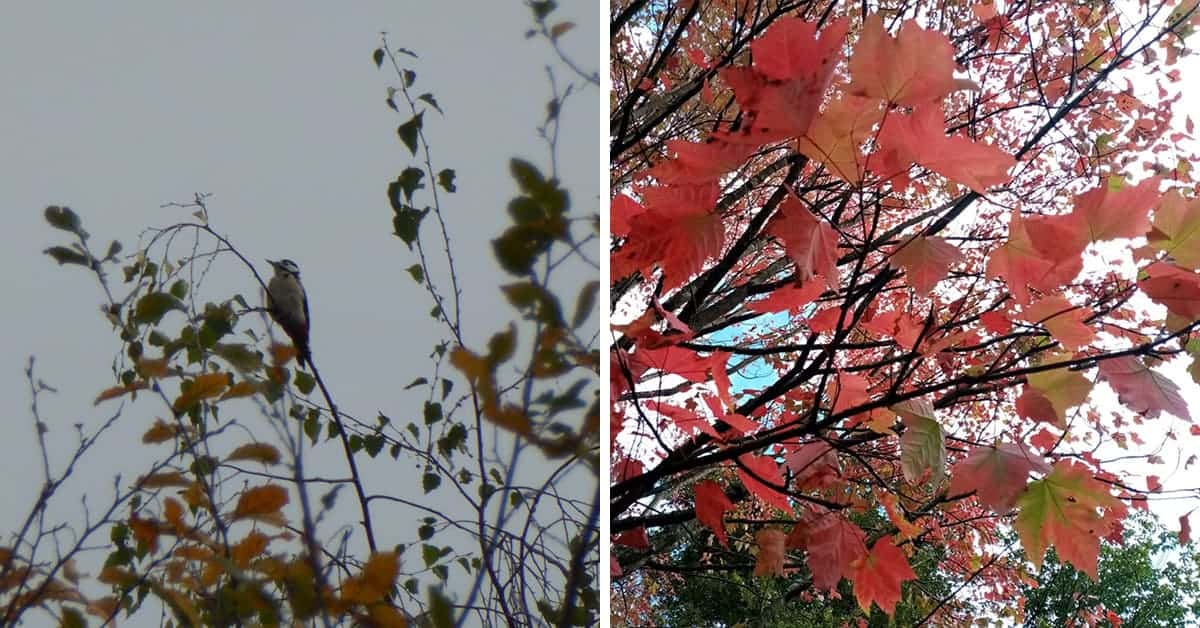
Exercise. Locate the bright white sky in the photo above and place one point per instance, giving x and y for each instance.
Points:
(277, 110)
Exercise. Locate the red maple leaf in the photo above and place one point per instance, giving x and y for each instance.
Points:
(792, 297)
(1176, 288)
(771, 552)
(808, 240)
(921, 138)
(1141, 389)
(766, 468)
(1070, 510)
(915, 67)
(926, 260)
(997, 474)
(831, 543)
(711, 506)
(678, 232)
(878, 575)
(782, 93)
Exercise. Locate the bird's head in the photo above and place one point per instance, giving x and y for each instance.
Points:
(285, 267)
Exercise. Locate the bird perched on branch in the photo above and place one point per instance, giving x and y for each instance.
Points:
(288, 305)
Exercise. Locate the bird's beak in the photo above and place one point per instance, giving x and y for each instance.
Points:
(272, 262)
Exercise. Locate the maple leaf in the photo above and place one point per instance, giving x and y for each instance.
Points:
(813, 465)
(1176, 288)
(1141, 389)
(831, 544)
(995, 322)
(836, 137)
(1185, 528)
(1114, 210)
(698, 162)
(711, 505)
(916, 66)
(810, 242)
(878, 575)
(1048, 395)
(1022, 265)
(792, 69)
(766, 468)
(997, 474)
(1061, 510)
(792, 297)
(1063, 320)
(771, 552)
(921, 138)
(1176, 229)
(923, 445)
(926, 260)
(678, 232)
(620, 211)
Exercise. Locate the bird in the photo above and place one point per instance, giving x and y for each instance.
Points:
(287, 304)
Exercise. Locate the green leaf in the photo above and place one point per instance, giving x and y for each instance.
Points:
(72, 618)
(441, 610)
(585, 303)
(410, 77)
(923, 445)
(430, 554)
(541, 10)
(63, 218)
(312, 428)
(239, 355)
(433, 412)
(416, 382)
(519, 247)
(417, 273)
(409, 132)
(425, 532)
(447, 386)
(527, 175)
(446, 180)
(501, 346)
(407, 224)
(453, 439)
(114, 249)
(64, 255)
(410, 181)
(373, 444)
(377, 57)
(179, 289)
(430, 481)
(305, 382)
(152, 307)
(535, 301)
(428, 98)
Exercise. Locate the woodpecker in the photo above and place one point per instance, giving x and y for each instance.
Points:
(288, 305)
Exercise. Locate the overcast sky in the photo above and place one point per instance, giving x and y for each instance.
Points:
(276, 109)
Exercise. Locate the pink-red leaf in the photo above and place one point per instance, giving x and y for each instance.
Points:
(877, 576)
(808, 240)
(766, 468)
(1143, 390)
(711, 506)
(926, 260)
(997, 474)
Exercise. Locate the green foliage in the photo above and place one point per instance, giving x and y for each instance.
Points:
(1149, 580)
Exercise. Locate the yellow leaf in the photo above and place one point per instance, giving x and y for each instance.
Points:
(152, 369)
(243, 388)
(262, 503)
(561, 28)
(173, 513)
(471, 365)
(249, 548)
(160, 480)
(195, 496)
(259, 452)
(205, 386)
(160, 432)
(117, 391)
(376, 579)
(385, 616)
(511, 418)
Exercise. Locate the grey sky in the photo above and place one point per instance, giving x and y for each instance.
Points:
(277, 110)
